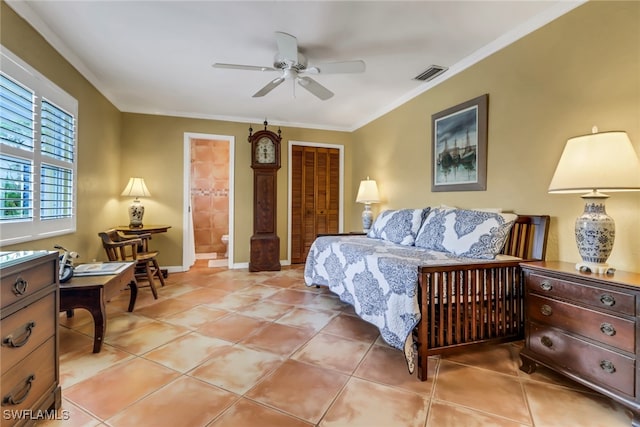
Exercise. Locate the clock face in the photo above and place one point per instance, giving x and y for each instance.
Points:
(265, 151)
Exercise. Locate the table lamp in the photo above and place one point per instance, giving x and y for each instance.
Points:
(367, 194)
(136, 188)
(599, 161)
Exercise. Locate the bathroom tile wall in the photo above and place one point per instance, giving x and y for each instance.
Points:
(210, 194)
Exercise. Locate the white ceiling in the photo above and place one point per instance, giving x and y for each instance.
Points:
(155, 57)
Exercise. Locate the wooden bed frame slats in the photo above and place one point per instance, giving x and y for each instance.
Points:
(484, 301)
(528, 237)
(472, 317)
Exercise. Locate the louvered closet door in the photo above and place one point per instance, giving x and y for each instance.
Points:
(315, 196)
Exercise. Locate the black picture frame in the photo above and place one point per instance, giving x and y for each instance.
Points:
(459, 147)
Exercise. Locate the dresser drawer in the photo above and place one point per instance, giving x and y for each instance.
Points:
(612, 330)
(16, 286)
(24, 385)
(600, 365)
(599, 298)
(26, 329)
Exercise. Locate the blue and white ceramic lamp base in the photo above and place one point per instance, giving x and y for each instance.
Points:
(595, 234)
(367, 218)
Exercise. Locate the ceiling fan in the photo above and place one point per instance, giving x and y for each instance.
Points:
(293, 65)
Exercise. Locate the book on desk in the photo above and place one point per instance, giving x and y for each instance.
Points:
(100, 268)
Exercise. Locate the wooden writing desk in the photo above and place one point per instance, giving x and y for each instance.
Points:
(151, 229)
(91, 293)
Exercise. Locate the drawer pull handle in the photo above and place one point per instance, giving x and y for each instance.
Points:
(20, 286)
(546, 341)
(607, 366)
(21, 339)
(608, 300)
(608, 329)
(546, 310)
(19, 396)
(546, 286)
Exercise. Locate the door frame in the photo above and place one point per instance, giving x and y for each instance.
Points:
(188, 245)
(290, 181)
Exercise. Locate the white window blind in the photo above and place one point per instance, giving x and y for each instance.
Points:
(17, 188)
(18, 103)
(37, 154)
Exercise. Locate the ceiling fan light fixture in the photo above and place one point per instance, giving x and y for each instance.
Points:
(289, 73)
(431, 73)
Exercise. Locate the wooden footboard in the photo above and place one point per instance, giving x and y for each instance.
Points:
(483, 303)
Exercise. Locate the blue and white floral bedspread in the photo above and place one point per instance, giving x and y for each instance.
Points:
(378, 278)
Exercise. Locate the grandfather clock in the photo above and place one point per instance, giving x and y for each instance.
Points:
(265, 162)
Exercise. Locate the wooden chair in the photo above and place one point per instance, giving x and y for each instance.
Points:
(122, 248)
(143, 249)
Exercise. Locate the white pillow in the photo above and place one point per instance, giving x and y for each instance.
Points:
(465, 232)
(398, 226)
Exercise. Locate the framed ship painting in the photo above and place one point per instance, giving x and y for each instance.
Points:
(459, 148)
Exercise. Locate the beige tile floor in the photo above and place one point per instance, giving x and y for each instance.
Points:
(228, 348)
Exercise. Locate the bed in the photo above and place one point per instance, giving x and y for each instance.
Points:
(433, 280)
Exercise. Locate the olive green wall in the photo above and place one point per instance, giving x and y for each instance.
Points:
(153, 147)
(580, 70)
(98, 132)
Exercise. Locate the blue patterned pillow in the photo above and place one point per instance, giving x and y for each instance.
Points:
(398, 226)
(463, 232)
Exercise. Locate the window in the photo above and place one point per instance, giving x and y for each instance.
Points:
(37, 155)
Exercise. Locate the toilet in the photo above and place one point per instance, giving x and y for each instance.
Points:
(225, 240)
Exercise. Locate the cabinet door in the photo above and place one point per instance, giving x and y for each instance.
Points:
(315, 199)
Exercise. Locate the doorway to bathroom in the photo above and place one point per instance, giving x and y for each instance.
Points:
(208, 236)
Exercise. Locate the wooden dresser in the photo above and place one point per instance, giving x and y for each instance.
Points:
(586, 327)
(29, 300)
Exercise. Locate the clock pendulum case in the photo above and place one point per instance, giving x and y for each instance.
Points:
(265, 161)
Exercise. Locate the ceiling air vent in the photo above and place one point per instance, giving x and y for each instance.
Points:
(431, 73)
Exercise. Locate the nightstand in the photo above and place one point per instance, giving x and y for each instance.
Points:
(586, 327)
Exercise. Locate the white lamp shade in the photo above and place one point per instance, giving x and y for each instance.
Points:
(368, 192)
(136, 188)
(600, 161)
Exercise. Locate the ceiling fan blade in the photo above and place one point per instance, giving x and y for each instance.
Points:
(242, 67)
(356, 66)
(269, 87)
(315, 88)
(287, 46)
